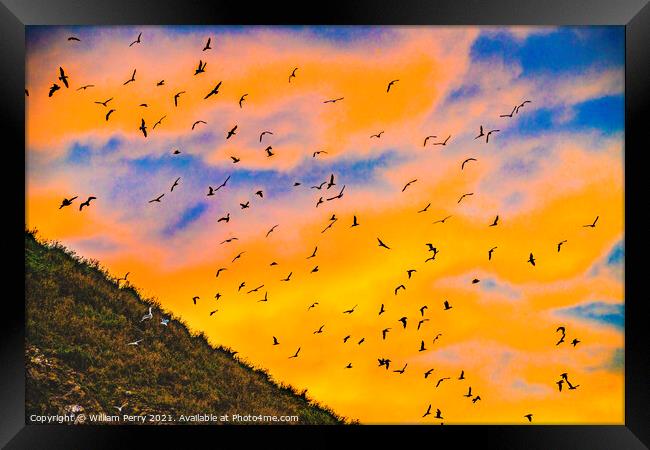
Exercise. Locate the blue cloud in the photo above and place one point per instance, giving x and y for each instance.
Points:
(604, 113)
(189, 216)
(612, 314)
(568, 49)
(491, 285)
(617, 255)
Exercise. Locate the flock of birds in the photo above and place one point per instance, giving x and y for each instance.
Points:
(325, 185)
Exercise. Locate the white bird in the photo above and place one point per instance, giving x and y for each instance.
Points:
(147, 316)
(119, 408)
(164, 322)
(135, 342)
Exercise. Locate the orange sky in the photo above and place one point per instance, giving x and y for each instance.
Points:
(544, 184)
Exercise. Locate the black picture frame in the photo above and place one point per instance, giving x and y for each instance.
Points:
(633, 14)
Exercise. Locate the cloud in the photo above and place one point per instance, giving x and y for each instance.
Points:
(611, 314)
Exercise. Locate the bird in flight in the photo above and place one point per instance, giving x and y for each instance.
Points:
(231, 132)
(245, 205)
(408, 184)
(509, 115)
(428, 412)
(384, 332)
(443, 142)
(422, 348)
(137, 41)
(55, 87)
(378, 135)
(159, 122)
(559, 245)
(401, 371)
(462, 166)
(86, 86)
(143, 128)
(243, 283)
(147, 316)
(320, 186)
(130, 79)
(529, 417)
(271, 230)
(266, 297)
(403, 320)
(198, 122)
(424, 209)
(260, 193)
(318, 153)
(487, 136)
(293, 74)
(354, 222)
(469, 392)
(235, 160)
(74, 38)
(295, 354)
(593, 225)
(571, 386)
(464, 195)
(381, 244)
(476, 399)
(135, 342)
(422, 310)
(340, 194)
(441, 380)
(320, 330)
(496, 219)
(401, 286)
(559, 384)
(214, 91)
(108, 114)
(241, 99)
(462, 375)
(288, 277)
(160, 83)
(476, 280)
(86, 203)
(225, 218)
(212, 312)
(177, 152)
(175, 184)
(223, 184)
(220, 270)
(575, 342)
(329, 226)
(263, 133)
(313, 255)
(331, 182)
(442, 220)
(105, 103)
(447, 306)
(390, 84)
(427, 373)
(426, 139)
(63, 77)
(268, 151)
(237, 257)
(381, 309)
(350, 311)
(207, 44)
(521, 106)
(438, 414)
(229, 240)
(275, 341)
(481, 133)
(531, 259)
(409, 272)
(195, 298)
(176, 96)
(313, 305)
(490, 253)
(157, 199)
(201, 67)
(334, 100)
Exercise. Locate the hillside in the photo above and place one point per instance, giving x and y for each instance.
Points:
(78, 324)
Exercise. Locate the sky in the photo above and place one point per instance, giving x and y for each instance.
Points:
(554, 165)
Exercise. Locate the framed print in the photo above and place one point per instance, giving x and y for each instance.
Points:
(382, 218)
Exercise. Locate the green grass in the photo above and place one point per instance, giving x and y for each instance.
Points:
(81, 320)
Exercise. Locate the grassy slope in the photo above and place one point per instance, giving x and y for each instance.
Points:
(80, 321)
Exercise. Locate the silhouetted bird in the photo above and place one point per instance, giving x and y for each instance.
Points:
(320, 330)
(143, 128)
(354, 222)
(268, 151)
(462, 166)
(447, 305)
(296, 354)
(487, 137)
(529, 417)
(409, 272)
(490, 252)
(378, 135)
(63, 77)
(462, 375)
(531, 259)
(390, 84)
(201, 67)
(464, 195)
(175, 184)
(350, 311)
(559, 384)
(108, 114)
(225, 218)
(593, 225)
(438, 414)
(275, 341)
(67, 202)
(401, 371)
(381, 244)
(422, 310)
(271, 230)
(442, 220)
(260, 194)
(408, 184)
(263, 133)
(381, 309)
(575, 342)
(86, 203)
(137, 41)
(422, 348)
(384, 332)
(231, 132)
(241, 99)
(480, 133)
(401, 286)
(404, 321)
(496, 219)
(443, 142)
(426, 139)
(132, 79)
(198, 122)
(157, 199)
(74, 38)
(509, 115)
(288, 277)
(176, 96)
(334, 100)
(55, 87)
(441, 380)
(293, 74)
(559, 245)
(428, 412)
(215, 90)
(194, 299)
(469, 393)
